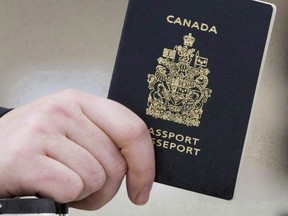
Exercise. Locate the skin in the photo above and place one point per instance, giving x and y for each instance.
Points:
(75, 148)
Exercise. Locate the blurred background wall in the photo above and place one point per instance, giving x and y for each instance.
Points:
(49, 45)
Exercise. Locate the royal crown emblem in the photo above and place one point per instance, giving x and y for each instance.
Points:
(178, 88)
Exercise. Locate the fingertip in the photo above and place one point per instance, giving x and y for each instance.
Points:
(143, 196)
(140, 181)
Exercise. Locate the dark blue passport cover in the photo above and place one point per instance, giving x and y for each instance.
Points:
(189, 69)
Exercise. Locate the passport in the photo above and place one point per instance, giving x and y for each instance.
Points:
(189, 69)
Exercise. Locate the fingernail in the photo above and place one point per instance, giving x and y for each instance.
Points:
(143, 196)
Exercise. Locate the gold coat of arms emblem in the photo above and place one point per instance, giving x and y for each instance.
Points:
(178, 87)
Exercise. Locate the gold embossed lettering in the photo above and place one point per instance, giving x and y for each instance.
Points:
(174, 141)
(213, 29)
(189, 150)
(188, 139)
(178, 21)
(187, 22)
(179, 138)
(204, 27)
(171, 135)
(170, 19)
(159, 142)
(164, 134)
(151, 130)
(195, 25)
(158, 132)
(181, 148)
(195, 141)
(166, 144)
(173, 145)
(197, 151)
(191, 24)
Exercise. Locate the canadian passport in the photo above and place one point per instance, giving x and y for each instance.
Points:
(189, 69)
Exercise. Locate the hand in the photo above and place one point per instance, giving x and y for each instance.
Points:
(75, 148)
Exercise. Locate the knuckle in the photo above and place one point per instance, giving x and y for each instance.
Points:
(58, 108)
(63, 188)
(36, 125)
(137, 129)
(63, 104)
(96, 180)
(73, 192)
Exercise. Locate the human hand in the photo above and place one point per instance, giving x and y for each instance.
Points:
(75, 148)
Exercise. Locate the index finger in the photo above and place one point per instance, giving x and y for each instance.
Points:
(132, 137)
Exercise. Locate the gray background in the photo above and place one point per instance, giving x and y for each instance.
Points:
(49, 45)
